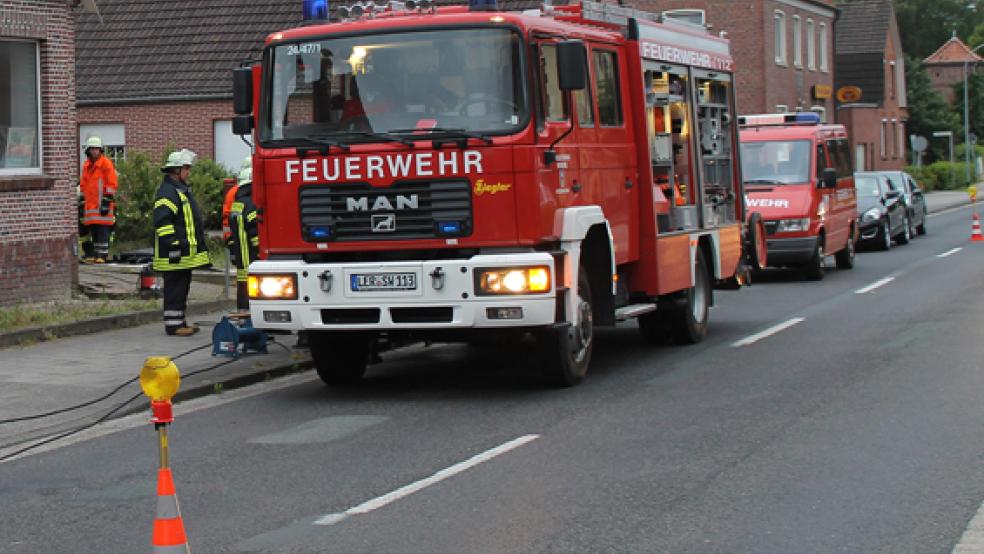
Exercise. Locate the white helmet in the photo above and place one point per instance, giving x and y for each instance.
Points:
(245, 176)
(178, 158)
(93, 142)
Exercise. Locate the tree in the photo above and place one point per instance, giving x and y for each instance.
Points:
(928, 111)
(975, 102)
(926, 24)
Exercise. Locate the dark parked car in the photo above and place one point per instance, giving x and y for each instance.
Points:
(914, 199)
(882, 213)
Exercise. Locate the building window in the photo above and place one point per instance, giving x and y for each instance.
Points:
(780, 42)
(20, 108)
(900, 137)
(797, 42)
(694, 16)
(824, 66)
(884, 124)
(608, 94)
(892, 80)
(811, 52)
(782, 108)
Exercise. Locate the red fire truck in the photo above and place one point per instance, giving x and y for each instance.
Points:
(454, 173)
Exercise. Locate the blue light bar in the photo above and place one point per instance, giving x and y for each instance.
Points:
(315, 10)
(807, 117)
(449, 227)
(320, 232)
(483, 5)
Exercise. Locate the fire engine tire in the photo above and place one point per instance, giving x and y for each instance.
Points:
(845, 257)
(341, 358)
(817, 266)
(566, 352)
(757, 245)
(688, 323)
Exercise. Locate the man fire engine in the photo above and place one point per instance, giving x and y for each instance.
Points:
(449, 173)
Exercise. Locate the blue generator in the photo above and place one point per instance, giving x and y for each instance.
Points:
(233, 332)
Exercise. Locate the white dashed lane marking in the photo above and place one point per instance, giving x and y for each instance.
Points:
(949, 252)
(752, 339)
(407, 490)
(875, 285)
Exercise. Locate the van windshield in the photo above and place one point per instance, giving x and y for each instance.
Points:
(777, 162)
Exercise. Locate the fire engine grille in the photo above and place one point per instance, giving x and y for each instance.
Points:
(405, 210)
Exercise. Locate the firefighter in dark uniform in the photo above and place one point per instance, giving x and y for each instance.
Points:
(244, 241)
(180, 241)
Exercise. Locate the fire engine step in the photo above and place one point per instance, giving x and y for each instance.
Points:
(633, 310)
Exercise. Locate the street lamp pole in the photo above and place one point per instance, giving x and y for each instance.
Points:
(949, 136)
(967, 115)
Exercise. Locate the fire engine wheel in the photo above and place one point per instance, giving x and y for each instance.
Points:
(567, 351)
(688, 323)
(341, 358)
(816, 267)
(845, 258)
(757, 245)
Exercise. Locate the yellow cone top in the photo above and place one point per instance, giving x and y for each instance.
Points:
(972, 190)
(160, 378)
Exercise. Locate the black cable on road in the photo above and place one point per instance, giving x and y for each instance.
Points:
(103, 418)
(95, 401)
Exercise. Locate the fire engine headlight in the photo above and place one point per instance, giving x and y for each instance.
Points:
(518, 280)
(793, 225)
(272, 287)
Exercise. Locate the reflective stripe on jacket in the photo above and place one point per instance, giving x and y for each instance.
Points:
(178, 228)
(244, 242)
(98, 181)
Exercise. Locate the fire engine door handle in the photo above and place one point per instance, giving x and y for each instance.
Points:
(628, 184)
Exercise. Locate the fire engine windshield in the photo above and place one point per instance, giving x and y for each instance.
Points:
(776, 162)
(359, 87)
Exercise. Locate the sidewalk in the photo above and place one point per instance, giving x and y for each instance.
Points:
(938, 201)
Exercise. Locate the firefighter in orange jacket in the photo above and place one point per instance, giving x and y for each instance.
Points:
(98, 188)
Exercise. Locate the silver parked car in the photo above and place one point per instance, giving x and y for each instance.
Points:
(912, 194)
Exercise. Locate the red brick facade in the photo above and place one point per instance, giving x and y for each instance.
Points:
(151, 127)
(762, 84)
(38, 219)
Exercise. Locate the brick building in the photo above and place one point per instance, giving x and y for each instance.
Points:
(946, 66)
(38, 220)
(150, 74)
(783, 49)
(869, 56)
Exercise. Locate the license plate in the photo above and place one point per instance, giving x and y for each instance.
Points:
(383, 281)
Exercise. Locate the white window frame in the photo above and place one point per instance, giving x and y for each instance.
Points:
(824, 63)
(779, 19)
(811, 50)
(884, 123)
(39, 170)
(686, 14)
(900, 136)
(797, 41)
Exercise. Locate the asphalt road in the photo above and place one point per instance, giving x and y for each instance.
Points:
(814, 419)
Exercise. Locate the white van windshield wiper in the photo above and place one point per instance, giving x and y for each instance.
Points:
(763, 182)
(384, 137)
(322, 145)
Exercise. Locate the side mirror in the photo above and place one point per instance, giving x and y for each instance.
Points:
(242, 124)
(572, 65)
(893, 195)
(242, 90)
(828, 179)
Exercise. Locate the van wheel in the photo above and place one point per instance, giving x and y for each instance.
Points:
(906, 234)
(816, 267)
(687, 323)
(845, 258)
(566, 351)
(341, 358)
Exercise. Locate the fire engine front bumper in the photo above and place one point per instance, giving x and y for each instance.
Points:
(406, 295)
(791, 251)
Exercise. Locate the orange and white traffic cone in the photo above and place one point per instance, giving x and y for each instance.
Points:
(975, 229)
(169, 533)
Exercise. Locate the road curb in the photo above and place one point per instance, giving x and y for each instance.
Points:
(101, 324)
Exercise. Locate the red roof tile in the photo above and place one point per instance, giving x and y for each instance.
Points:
(953, 51)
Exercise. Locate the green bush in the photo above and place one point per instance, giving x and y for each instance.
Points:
(949, 176)
(926, 178)
(139, 179)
